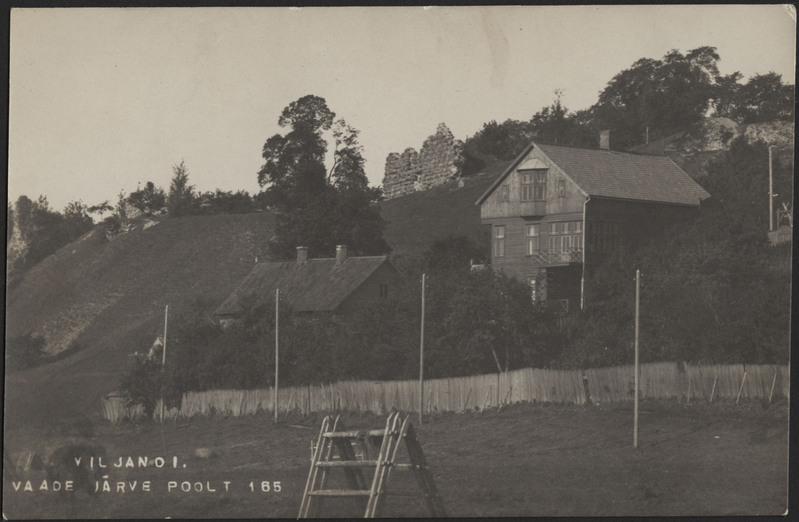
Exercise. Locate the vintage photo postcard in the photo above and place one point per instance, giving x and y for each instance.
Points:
(485, 261)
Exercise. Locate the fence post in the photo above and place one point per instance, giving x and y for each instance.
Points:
(741, 388)
(714, 388)
(771, 393)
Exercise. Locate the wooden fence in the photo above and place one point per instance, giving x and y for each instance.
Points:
(600, 385)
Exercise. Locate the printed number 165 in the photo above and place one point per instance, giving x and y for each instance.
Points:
(267, 486)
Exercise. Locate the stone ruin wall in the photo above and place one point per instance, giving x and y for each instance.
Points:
(439, 160)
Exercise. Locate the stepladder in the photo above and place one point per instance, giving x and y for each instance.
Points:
(367, 458)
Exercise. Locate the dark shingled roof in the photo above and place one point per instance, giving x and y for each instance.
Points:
(622, 175)
(318, 285)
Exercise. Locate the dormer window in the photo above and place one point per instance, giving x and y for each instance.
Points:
(534, 185)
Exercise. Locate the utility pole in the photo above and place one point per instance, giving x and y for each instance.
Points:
(637, 308)
(277, 344)
(163, 360)
(421, 359)
(770, 193)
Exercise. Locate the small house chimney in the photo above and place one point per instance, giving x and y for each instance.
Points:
(341, 254)
(302, 255)
(604, 139)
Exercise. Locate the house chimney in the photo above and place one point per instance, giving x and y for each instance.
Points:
(341, 254)
(302, 255)
(604, 139)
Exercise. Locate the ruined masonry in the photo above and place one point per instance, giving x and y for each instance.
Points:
(439, 160)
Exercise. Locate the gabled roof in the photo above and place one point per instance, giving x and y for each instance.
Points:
(613, 174)
(317, 285)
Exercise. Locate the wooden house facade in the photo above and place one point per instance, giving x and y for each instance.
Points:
(557, 211)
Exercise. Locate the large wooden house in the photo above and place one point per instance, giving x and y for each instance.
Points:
(556, 211)
(336, 285)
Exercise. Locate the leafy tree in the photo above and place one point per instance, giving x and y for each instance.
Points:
(656, 98)
(43, 230)
(554, 124)
(453, 253)
(764, 98)
(503, 140)
(100, 209)
(317, 207)
(148, 199)
(219, 201)
(726, 98)
(181, 195)
(10, 223)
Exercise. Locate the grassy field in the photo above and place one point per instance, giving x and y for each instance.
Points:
(522, 460)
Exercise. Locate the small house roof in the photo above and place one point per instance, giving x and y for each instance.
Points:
(316, 285)
(613, 174)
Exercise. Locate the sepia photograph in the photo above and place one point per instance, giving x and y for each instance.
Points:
(398, 261)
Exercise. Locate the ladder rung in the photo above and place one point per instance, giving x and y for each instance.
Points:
(347, 463)
(340, 493)
(358, 464)
(353, 434)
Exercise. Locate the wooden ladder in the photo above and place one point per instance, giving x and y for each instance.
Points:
(334, 442)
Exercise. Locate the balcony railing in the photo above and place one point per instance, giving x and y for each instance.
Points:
(561, 257)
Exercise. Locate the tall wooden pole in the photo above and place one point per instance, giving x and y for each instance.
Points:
(637, 304)
(421, 359)
(770, 194)
(277, 344)
(163, 359)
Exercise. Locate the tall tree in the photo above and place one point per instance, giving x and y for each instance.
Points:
(764, 98)
(555, 124)
(181, 194)
(319, 207)
(656, 98)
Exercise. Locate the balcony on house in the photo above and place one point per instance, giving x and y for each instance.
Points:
(566, 256)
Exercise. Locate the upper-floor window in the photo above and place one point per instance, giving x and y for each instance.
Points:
(383, 291)
(533, 236)
(562, 188)
(499, 241)
(504, 193)
(534, 185)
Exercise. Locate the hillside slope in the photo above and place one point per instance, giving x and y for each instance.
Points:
(416, 220)
(97, 301)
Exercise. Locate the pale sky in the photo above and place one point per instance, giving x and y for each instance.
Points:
(103, 99)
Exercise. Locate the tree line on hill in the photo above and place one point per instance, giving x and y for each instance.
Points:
(650, 100)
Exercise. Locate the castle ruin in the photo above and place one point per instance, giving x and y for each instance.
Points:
(439, 160)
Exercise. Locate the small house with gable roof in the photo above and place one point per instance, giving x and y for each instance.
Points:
(557, 211)
(335, 285)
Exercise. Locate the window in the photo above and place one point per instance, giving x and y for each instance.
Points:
(561, 188)
(534, 185)
(540, 185)
(566, 236)
(532, 239)
(499, 241)
(383, 291)
(504, 193)
(603, 237)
